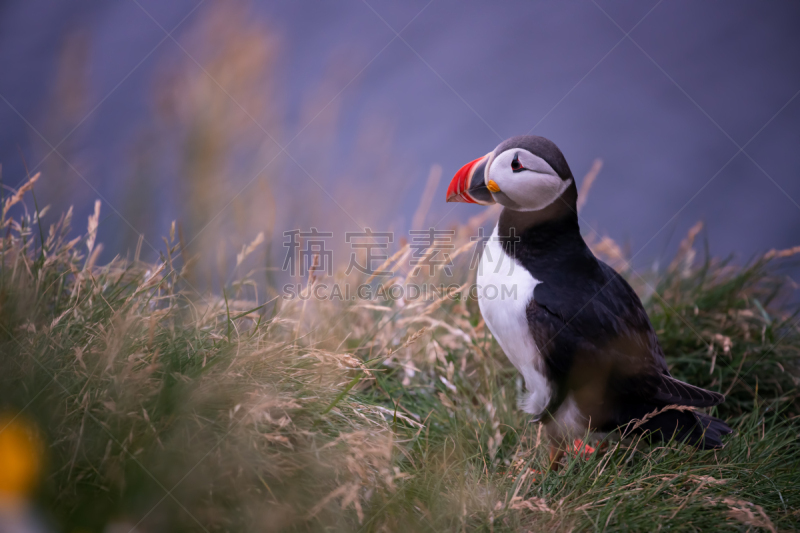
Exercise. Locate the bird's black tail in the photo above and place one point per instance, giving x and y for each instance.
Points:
(713, 429)
(698, 429)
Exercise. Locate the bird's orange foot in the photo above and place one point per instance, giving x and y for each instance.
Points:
(580, 449)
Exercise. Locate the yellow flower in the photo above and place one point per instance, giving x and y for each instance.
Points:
(20, 457)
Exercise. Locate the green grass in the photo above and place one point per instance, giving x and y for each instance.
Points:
(171, 410)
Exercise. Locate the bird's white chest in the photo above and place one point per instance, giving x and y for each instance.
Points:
(505, 288)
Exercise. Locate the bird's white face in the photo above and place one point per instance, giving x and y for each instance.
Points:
(514, 176)
(523, 181)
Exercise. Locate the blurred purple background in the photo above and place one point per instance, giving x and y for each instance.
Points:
(182, 128)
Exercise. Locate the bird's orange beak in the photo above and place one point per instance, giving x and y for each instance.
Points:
(469, 185)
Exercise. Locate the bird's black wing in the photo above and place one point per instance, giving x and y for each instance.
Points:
(594, 334)
(671, 391)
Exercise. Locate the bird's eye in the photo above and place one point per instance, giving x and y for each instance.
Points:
(516, 166)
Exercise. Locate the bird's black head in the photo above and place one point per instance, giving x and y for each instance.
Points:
(524, 173)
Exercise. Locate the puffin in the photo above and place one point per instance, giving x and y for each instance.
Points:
(570, 324)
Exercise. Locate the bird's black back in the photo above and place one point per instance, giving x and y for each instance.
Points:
(593, 333)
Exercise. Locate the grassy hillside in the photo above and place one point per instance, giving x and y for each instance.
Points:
(148, 405)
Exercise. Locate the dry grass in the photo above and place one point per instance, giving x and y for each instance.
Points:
(168, 410)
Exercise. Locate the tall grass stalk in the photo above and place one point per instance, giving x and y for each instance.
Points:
(166, 410)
